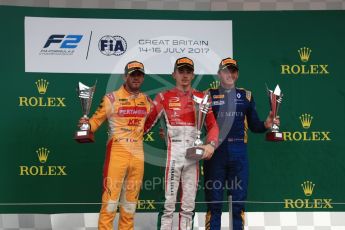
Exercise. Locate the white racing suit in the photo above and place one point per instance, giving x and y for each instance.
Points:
(179, 111)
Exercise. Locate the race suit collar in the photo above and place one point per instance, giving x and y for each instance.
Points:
(224, 90)
(181, 92)
(127, 93)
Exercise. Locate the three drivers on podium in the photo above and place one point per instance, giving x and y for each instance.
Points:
(130, 113)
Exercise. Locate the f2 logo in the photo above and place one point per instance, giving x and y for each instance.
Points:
(68, 42)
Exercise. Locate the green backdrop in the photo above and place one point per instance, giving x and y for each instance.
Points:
(262, 41)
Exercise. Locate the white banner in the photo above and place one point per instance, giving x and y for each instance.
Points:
(80, 45)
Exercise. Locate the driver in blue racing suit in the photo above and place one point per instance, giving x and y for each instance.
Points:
(227, 170)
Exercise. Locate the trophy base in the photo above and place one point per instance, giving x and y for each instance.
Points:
(195, 153)
(274, 136)
(84, 136)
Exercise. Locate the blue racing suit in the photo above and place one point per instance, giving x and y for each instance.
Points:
(228, 168)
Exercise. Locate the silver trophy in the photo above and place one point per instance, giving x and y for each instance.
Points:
(85, 94)
(275, 99)
(202, 106)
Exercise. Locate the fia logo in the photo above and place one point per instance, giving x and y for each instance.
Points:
(112, 45)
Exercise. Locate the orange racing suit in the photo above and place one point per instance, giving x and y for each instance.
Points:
(124, 164)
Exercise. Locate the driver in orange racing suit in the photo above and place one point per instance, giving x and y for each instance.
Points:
(126, 110)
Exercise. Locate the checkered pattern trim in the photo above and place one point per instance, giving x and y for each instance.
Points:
(145, 221)
(213, 5)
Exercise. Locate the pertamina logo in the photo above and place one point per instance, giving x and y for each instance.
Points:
(132, 111)
(42, 101)
(306, 122)
(308, 189)
(61, 44)
(42, 169)
(304, 69)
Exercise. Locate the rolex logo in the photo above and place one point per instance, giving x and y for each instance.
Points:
(305, 135)
(308, 202)
(304, 54)
(215, 85)
(42, 86)
(146, 205)
(306, 120)
(42, 154)
(41, 101)
(303, 69)
(149, 137)
(42, 170)
(308, 188)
